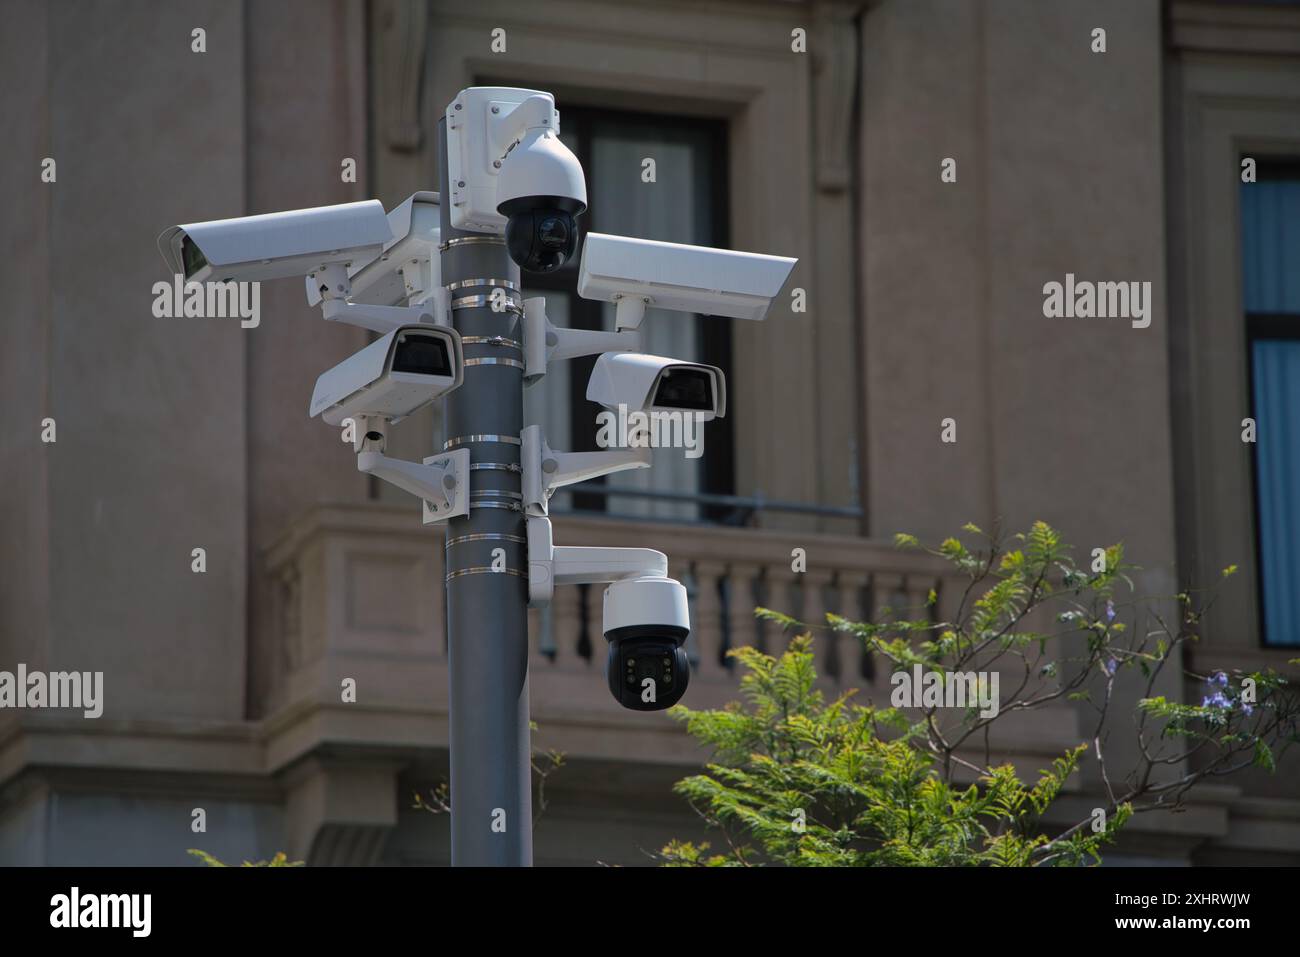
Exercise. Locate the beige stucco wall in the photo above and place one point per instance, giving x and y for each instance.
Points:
(150, 457)
(1059, 166)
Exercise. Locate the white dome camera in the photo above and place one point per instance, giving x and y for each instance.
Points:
(647, 621)
(509, 172)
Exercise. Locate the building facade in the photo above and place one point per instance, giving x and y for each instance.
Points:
(809, 129)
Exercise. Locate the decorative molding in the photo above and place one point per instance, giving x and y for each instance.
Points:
(835, 81)
(1196, 25)
(400, 44)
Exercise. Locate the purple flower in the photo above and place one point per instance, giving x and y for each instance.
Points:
(1216, 700)
(1110, 610)
(1247, 709)
(1218, 679)
(1110, 666)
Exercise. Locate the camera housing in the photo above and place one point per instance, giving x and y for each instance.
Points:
(295, 242)
(649, 383)
(635, 273)
(392, 377)
(646, 622)
(509, 172)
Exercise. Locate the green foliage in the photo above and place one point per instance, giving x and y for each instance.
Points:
(816, 783)
(801, 781)
(279, 860)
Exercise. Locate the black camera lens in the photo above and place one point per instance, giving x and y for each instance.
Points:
(553, 232)
(647, 672)
(685, 388)
(542, 239)
(422, 355)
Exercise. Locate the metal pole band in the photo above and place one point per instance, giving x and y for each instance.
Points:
(466, 283)
(471, 241)
(500, 341)
(508, 506)
(484, 570)
(460, 440)
(486, 537)
(479, 302)
(498, 466)
(495, 493)
(494, 362)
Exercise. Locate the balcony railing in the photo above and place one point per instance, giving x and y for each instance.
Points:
(358, 593)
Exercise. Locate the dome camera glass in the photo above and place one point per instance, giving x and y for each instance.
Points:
(553, 233)
(541, 240)
(647, 674)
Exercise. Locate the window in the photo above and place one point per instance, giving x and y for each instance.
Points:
(686, 203)
(1270, 228)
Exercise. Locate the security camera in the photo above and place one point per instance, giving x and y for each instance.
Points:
(635, 273)
(647, 617)
(393, 376)
(277, 245)
(648, 383)
(541, 190)
(646, 623)
(508, 171)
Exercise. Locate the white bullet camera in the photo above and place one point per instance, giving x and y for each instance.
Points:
(508, 171)
(277, 245)
(635, 273)
(648, 383)
(393, 376)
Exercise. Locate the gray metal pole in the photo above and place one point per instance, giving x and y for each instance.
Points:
(487, 610)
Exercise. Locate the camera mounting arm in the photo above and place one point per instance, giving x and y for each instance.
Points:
(544, 342)
(508, 124)
(545, 470)
(441, 481)
(335, 286)
(549, 565)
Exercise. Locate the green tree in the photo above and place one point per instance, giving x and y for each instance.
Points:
(279, 860)
(798, 780)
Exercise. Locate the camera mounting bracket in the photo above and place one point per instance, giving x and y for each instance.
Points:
(545, 470)
(441, 481)
(335, 287)
(483, 123)
(544, 342)
(550, 565)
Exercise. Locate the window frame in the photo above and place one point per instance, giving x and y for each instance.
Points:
(714, 335)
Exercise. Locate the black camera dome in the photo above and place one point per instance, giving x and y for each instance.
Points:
(541, 231)
(647, 671)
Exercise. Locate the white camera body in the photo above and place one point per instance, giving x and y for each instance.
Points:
(647, 602)
(638, 272)
(649, 383)
(392, 377)
(296, 242)
(503, 145)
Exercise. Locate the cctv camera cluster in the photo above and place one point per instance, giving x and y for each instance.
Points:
(509, 175)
